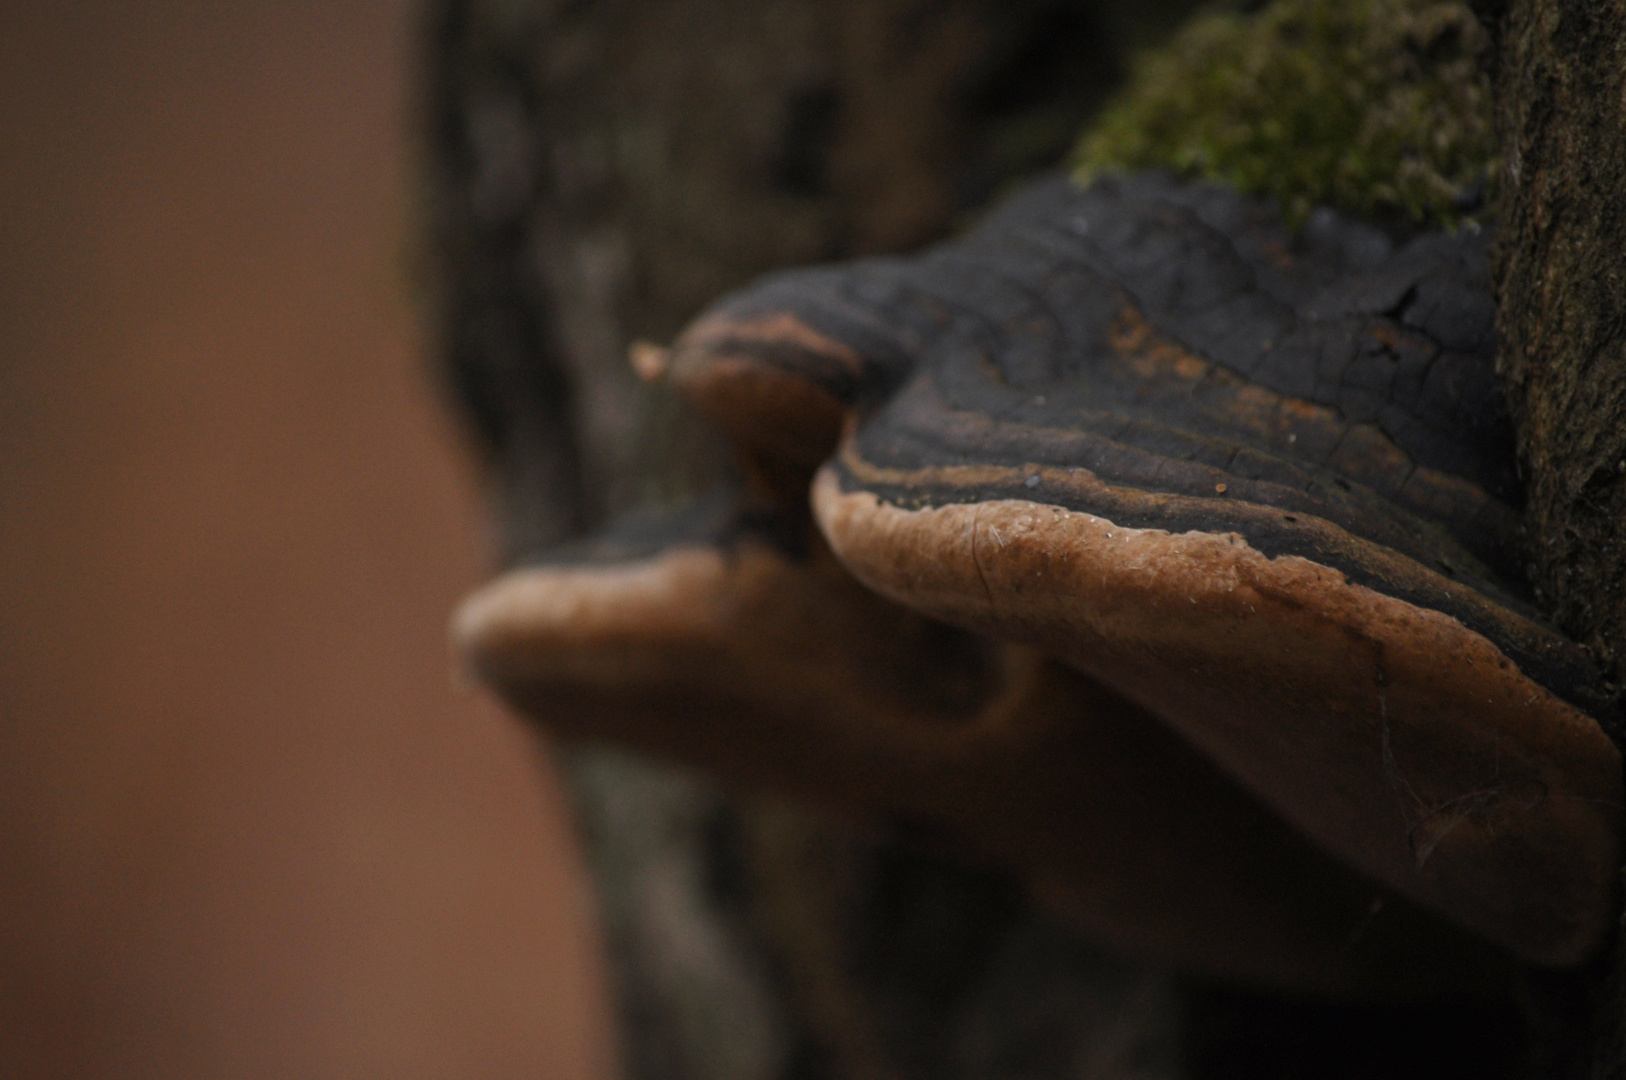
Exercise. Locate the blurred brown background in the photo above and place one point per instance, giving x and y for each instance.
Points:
(249, 826)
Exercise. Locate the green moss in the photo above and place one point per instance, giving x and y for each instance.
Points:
(1377, 107)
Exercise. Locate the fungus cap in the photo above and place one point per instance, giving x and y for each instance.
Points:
(1261, 484)
(707, 639)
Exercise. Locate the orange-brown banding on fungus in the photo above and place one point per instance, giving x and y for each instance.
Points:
(767, 382)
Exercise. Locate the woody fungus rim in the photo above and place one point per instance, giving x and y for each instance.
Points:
(1259, 484)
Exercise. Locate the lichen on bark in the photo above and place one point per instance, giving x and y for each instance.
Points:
(1381, 108)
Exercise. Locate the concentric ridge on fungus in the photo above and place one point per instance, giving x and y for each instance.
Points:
(1260, 483)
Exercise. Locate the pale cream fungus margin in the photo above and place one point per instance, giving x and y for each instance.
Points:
(746, 624)
(671, 598)
(1394, 736)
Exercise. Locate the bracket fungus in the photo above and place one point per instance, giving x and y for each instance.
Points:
(721, 637)
(1165, 554)
(1258, 483)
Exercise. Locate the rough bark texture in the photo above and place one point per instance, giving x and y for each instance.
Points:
(1560, 267)
(1561, 276)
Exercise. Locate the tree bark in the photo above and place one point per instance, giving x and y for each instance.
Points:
(1561, 281)
(1560, 270)
(604, 169)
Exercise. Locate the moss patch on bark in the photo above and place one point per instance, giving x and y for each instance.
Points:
(1381, 108)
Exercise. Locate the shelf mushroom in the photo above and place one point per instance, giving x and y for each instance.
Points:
(1259, 484)
(725, 638)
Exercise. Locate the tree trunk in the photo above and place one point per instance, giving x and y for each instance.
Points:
(1560, 268)
(604, 169)
(1561, 280)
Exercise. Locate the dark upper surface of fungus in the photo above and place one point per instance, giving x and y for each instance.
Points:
(1259, 482)
(1170, 338)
